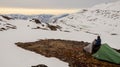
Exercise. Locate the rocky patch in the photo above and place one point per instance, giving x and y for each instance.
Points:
(65, 50)
(6, 17)
(36, 21)
(6, 26)
(53, 27)
(40, 65)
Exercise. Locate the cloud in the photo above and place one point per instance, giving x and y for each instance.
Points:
(61, 4)
(35, 11)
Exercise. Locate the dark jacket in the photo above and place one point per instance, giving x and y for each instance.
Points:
(98, 42)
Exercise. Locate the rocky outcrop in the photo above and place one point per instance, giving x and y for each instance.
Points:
(36, 21)
(40, 65)
(53, 27)
(6, 17)
(6, 26)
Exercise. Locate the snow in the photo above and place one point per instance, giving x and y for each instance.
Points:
(109, 6)
(96, 21)
(90, 20)
(42, 17)
(13, 56)
(82, 26)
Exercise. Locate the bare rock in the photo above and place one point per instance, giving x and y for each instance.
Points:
(36, 21)
(40, 65)
(52, 27)
(6, 17)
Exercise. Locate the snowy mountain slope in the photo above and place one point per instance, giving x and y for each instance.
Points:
(42, 17)
(4, 18)
(82, 26)
(5, 25)
(55, 18)
(92, 21)
(108, 6)
(32, 23)
(95, 21)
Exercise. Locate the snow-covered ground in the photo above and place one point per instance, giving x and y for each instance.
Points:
(82, 26)
(108, 6)
(13, 56)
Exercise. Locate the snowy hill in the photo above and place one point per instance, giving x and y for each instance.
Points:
(42, 17)
(94, 21)
(32, 23)
(55, 18)
(109, 6)
(81, 26)
(4, 24)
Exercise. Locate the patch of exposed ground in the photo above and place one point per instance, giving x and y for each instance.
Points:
(6, 26)
(40, 65)
(65, 50)
(6, 17)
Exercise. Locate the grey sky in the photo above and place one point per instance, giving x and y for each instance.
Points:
(58, 4)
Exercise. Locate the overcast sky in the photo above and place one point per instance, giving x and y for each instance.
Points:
(57, 4)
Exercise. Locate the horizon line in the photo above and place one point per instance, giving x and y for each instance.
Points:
(29, 11)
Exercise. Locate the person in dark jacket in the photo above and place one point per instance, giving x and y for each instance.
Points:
(98, 41)
(97, 44)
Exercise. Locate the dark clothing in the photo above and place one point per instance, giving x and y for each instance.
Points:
(95, 48)
(97, 45)
(98, 42)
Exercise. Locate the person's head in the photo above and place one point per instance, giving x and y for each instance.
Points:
(98, 37)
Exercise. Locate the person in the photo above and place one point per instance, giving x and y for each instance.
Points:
(98, 41)
(94, 46)
(89, 47)
(97, 44)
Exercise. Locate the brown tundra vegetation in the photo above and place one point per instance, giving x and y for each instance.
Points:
(65, 50)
